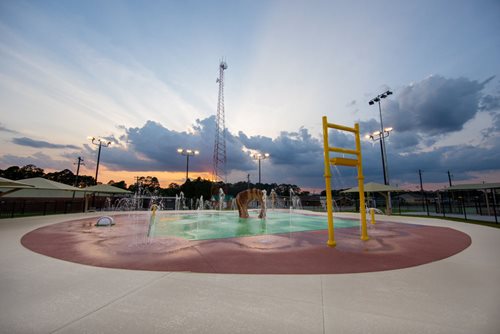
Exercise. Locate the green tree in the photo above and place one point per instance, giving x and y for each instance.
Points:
(172, 190)
(284, 189)
(25, 172)
(65, 176)
(30, 171)
(235, 188)
(174, 186)
(85, 181)
(12, 172)
(120, 184)
(197, 188)
(146, 184)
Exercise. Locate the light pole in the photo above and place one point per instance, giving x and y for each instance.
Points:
(384, 152)
(259, 157)
(382, 141)
(188, 153)
(380, 136)
(99, 142)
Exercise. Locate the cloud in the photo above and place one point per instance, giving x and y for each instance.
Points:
(462, 160)
(434, 106)
(297, 156)
(154, 147)
(424, 115)
(38, 159)
(5, 129)
(78, 80)
(490, 103)
(24, 141)
(293, 156)
(405, 141)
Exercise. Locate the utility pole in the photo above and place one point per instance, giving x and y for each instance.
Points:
(449, 178)
(99, 142)
(423, 193)
(80, 162)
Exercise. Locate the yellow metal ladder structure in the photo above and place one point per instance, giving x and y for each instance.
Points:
(338, 161)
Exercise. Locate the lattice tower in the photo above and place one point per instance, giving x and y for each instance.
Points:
(220, 131)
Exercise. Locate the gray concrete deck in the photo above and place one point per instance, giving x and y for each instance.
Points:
(39, 294)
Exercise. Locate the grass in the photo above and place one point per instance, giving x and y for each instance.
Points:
(460, 220)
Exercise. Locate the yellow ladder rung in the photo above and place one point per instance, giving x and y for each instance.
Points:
(342, 150)
(341, 127)
(344, 162)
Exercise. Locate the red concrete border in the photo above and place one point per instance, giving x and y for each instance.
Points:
(392, 246)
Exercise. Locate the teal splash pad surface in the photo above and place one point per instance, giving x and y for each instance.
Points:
(216, 225)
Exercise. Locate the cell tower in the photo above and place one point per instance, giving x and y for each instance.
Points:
(220, 130)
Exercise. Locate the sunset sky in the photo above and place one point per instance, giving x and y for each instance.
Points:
(143, 75)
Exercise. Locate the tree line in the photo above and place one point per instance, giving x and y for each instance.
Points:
(150, 185)
(29, 171)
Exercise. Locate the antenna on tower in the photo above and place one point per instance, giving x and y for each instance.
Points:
(220, 130)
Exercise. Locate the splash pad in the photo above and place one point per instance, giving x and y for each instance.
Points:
(206, 225)
(126, 245)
